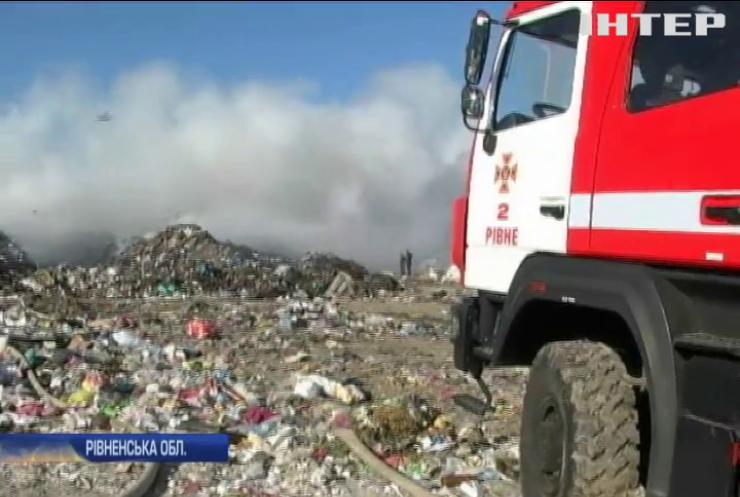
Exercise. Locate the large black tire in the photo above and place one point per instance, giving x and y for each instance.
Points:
(582, 388)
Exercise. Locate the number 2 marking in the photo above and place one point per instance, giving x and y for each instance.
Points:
(503, 212)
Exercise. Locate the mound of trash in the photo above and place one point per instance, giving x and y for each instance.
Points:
(186, 260)
(320, 270)
(15, 263)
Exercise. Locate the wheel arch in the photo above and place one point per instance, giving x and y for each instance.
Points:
(630, 292)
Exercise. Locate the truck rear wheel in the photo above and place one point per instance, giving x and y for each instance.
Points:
(579, 435)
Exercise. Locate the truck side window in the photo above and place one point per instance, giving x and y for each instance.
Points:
(670, 69)
(537, 75)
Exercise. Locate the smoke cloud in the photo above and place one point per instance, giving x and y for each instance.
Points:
(256, 163)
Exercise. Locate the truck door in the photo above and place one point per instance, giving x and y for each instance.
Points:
(520, 186)
(667, 185)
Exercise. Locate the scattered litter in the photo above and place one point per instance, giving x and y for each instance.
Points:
(180, 332)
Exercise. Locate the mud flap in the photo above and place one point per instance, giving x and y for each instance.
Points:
(465, 325)
(703, 463)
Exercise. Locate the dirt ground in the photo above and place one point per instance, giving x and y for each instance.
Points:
(385, 365)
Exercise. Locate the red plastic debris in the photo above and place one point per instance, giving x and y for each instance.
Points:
(394, 460)
(93, 380)
(341, 420)
(201, 328)
(30, 408)
(258, 414)
(190, 394)
(320, 454)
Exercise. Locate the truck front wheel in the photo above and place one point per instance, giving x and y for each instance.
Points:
(579, 435)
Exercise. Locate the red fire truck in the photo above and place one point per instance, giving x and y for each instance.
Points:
(601, 228)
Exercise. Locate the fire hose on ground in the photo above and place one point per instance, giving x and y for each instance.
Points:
(138, 488)
(361, 450)
(141, 487)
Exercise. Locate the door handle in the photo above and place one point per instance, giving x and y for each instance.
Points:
(720, 210)
(723, 215)
(556, 211)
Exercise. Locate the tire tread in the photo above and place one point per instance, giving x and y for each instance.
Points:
(606, 447)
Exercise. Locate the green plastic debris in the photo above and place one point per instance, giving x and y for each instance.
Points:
(166, 289)
(112, 409)
(196, 366)
(32, 358)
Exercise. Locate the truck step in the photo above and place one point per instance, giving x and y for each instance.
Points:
(471, 404)
(706, 342)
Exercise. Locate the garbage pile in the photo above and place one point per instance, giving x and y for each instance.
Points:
(14, 262)
(315, 272)
(185, 260)
(289, 385)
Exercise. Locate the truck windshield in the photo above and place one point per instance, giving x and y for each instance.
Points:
(537, 75)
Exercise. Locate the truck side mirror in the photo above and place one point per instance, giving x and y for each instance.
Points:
(472, 102)
(477, 48)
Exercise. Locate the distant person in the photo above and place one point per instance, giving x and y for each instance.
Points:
(403, 264)
(409, 259)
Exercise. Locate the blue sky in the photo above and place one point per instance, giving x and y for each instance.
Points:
(337, 44)
(264, 163)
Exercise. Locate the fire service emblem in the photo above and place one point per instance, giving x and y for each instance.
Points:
(505, 173)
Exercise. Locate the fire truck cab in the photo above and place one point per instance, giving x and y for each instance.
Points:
(601, 228)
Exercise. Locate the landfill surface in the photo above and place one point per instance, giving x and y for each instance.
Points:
(180, 332)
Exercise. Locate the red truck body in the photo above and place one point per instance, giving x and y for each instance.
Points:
(643, 179)
(600, 225)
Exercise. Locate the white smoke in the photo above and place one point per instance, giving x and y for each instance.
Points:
(261, 164)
